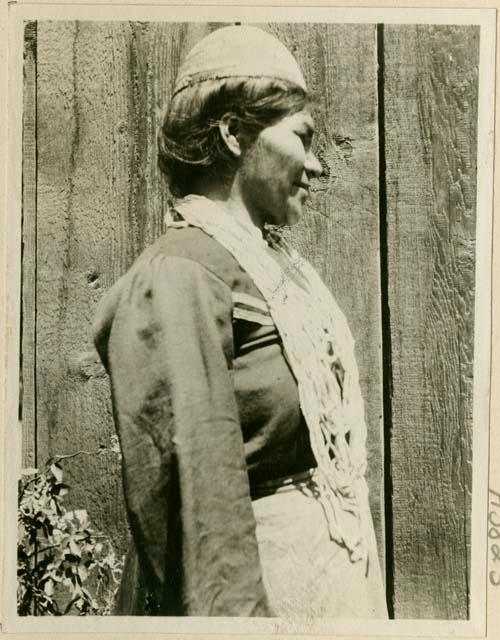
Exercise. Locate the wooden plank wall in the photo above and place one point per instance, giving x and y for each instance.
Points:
(29, 277)
(94, 200)
(431, 126)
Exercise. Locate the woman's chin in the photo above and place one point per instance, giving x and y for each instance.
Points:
(287, 217)
(293, 216)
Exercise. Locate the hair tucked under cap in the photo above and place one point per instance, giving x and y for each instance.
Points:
(239, 51)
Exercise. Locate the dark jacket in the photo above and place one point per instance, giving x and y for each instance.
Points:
(206, 407)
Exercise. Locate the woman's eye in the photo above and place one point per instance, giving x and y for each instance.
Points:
(306, 139)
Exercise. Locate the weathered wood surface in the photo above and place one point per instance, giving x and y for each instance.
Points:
(87, 236)
(28, 403)
(430, 130)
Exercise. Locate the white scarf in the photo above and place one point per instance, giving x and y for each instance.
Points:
(317, 342)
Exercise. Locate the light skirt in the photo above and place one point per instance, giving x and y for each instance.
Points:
(305, 573)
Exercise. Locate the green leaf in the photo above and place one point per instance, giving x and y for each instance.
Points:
(48, 587)
(82, 517)
(68, 554)
(75, 549)
(61, 489)
(57, 471)
(82, 572)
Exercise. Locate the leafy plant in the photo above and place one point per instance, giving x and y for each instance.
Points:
(64, 565)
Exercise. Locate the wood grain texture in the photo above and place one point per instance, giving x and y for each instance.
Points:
(28, 403)
(431, 76)
(339, 233)
(87, 237)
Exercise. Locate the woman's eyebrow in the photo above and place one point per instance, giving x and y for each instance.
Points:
(307, 128)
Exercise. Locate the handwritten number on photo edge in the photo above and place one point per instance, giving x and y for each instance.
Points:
(495, 550)
(494, 578)
(495, 493)
(494, 534)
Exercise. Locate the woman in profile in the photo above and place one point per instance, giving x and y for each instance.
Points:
(234, 384)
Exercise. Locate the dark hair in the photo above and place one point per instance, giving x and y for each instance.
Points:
(189, 140)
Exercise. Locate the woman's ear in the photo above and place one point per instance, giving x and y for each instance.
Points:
(229, 127)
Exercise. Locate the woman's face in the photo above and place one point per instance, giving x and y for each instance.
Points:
(276, 171)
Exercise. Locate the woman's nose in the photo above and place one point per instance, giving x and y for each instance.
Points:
(313, 166)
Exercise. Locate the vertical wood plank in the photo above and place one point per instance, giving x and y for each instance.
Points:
(28, 404)
(87, 237)
(431, 75)
(339, 233)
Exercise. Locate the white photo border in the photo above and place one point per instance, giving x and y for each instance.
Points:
(484, 618)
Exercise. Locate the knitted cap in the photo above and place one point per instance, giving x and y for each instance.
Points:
(238, 51)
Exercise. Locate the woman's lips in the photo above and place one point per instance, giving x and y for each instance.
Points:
(302, 185)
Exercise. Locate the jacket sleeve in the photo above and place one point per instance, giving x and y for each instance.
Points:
(169, 355)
